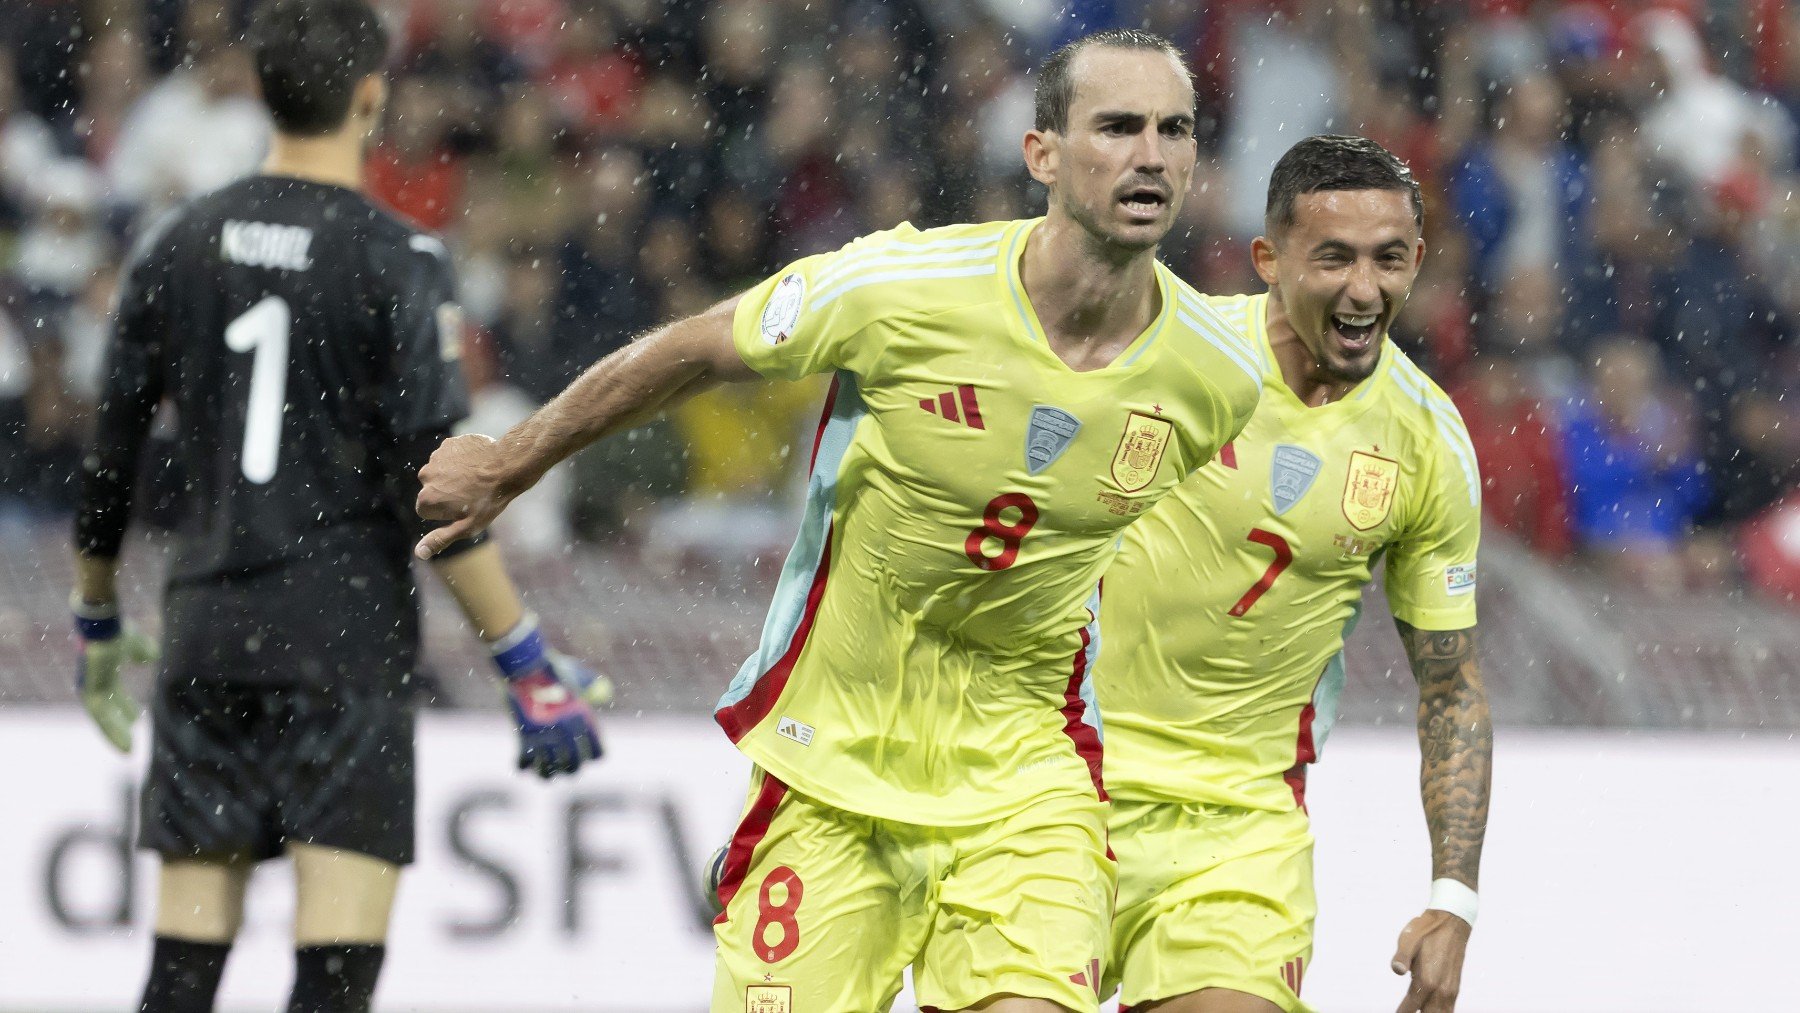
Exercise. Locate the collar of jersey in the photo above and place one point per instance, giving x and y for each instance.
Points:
(1343, 409)
(1031, 332)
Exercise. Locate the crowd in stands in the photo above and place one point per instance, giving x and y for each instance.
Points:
(1611, 291)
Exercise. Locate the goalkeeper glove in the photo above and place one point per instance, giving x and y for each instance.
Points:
(552, 697)
(104, 644)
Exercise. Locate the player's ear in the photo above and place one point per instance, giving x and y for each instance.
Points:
(1263, 257)
(1043, 155)
(1418, 255)
(369, 100)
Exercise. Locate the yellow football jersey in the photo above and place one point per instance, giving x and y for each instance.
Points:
(925, 657)
(1228, 606)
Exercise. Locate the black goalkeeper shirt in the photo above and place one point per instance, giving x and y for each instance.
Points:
(307, 342)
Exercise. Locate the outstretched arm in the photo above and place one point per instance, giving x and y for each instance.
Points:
(1456, 745)
(470, 479)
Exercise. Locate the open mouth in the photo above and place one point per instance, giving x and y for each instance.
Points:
(1144, 203)
(1356, 332)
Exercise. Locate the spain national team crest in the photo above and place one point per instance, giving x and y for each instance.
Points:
(1140, 450)
(1291, 474)
(769, 999)
(1047, 435)
(1369, 491)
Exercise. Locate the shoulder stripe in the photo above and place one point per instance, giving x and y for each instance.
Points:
(900, 253)
(1212, 336)
(1450, 430)
(1235, 335)
(826, 298)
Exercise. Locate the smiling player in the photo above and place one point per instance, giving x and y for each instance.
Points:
(1227, 609)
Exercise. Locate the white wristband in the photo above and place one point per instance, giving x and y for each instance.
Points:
(1453, 896)
(525, 627)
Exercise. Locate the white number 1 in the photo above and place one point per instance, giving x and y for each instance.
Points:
(263, 328)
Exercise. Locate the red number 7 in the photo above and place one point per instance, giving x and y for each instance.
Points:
(1283, 556)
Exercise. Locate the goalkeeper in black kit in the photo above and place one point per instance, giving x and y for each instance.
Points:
(307, 343)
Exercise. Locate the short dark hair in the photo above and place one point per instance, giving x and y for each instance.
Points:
(311, 55)
(1056, 85)
(1336, 162)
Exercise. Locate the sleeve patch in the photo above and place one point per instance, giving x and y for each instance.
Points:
(782, 313)
(450, 331)
(1459, 579)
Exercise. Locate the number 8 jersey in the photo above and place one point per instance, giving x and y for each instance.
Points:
(1227, 609)
(926, 655)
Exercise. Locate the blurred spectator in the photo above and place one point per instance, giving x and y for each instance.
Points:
(1524, 321)
(412, 169)
(600, 299)
(454, 45)
(1719, 328)
(46, 36)
(27, 146)
(674, 128)
(1637, 484)
(1701, 120)
(1634, 236)
(194, 131)
(812, 202)
(1770, 548)
(84, 326)
(593, 82)
(1287, 85)
(986, 86)
(64, 245)
(1522, 194)
(1524, 482)
(113, 75)
(735, 237)
(739, 53)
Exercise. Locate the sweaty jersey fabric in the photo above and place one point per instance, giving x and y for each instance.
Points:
(926, 654)
(307, 342)
(1227, 608)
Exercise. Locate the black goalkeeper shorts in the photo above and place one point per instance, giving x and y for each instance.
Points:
(242, 769)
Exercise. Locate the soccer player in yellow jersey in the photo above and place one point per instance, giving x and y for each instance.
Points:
(1227, 609)
(1006, 399)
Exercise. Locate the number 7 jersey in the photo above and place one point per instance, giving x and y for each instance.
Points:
(1228, 606)
(926, 655)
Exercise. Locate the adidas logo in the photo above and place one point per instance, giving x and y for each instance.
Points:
(947, 405)
(1293, 972)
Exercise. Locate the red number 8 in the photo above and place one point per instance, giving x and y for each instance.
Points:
(1009, 534)
(780, 915)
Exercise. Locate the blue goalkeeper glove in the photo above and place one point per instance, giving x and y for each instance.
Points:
(105, 644)
(552, 697)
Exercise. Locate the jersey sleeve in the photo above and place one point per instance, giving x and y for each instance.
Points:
(1431, 567)
(1227, 364)
(132, 387)
(812, 316)
(422, 387)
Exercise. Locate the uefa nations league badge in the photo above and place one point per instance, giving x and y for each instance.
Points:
(782, 312)
(1047, 435)
(1291, 474)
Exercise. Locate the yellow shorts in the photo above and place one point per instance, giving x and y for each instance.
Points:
(824, 909)
(1211, 897)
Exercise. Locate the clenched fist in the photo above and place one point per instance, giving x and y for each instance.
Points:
(461, 486)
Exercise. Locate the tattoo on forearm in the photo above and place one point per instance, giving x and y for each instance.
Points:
(1456, 747)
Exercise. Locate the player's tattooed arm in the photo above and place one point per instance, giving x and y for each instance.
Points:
(1456, 747)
